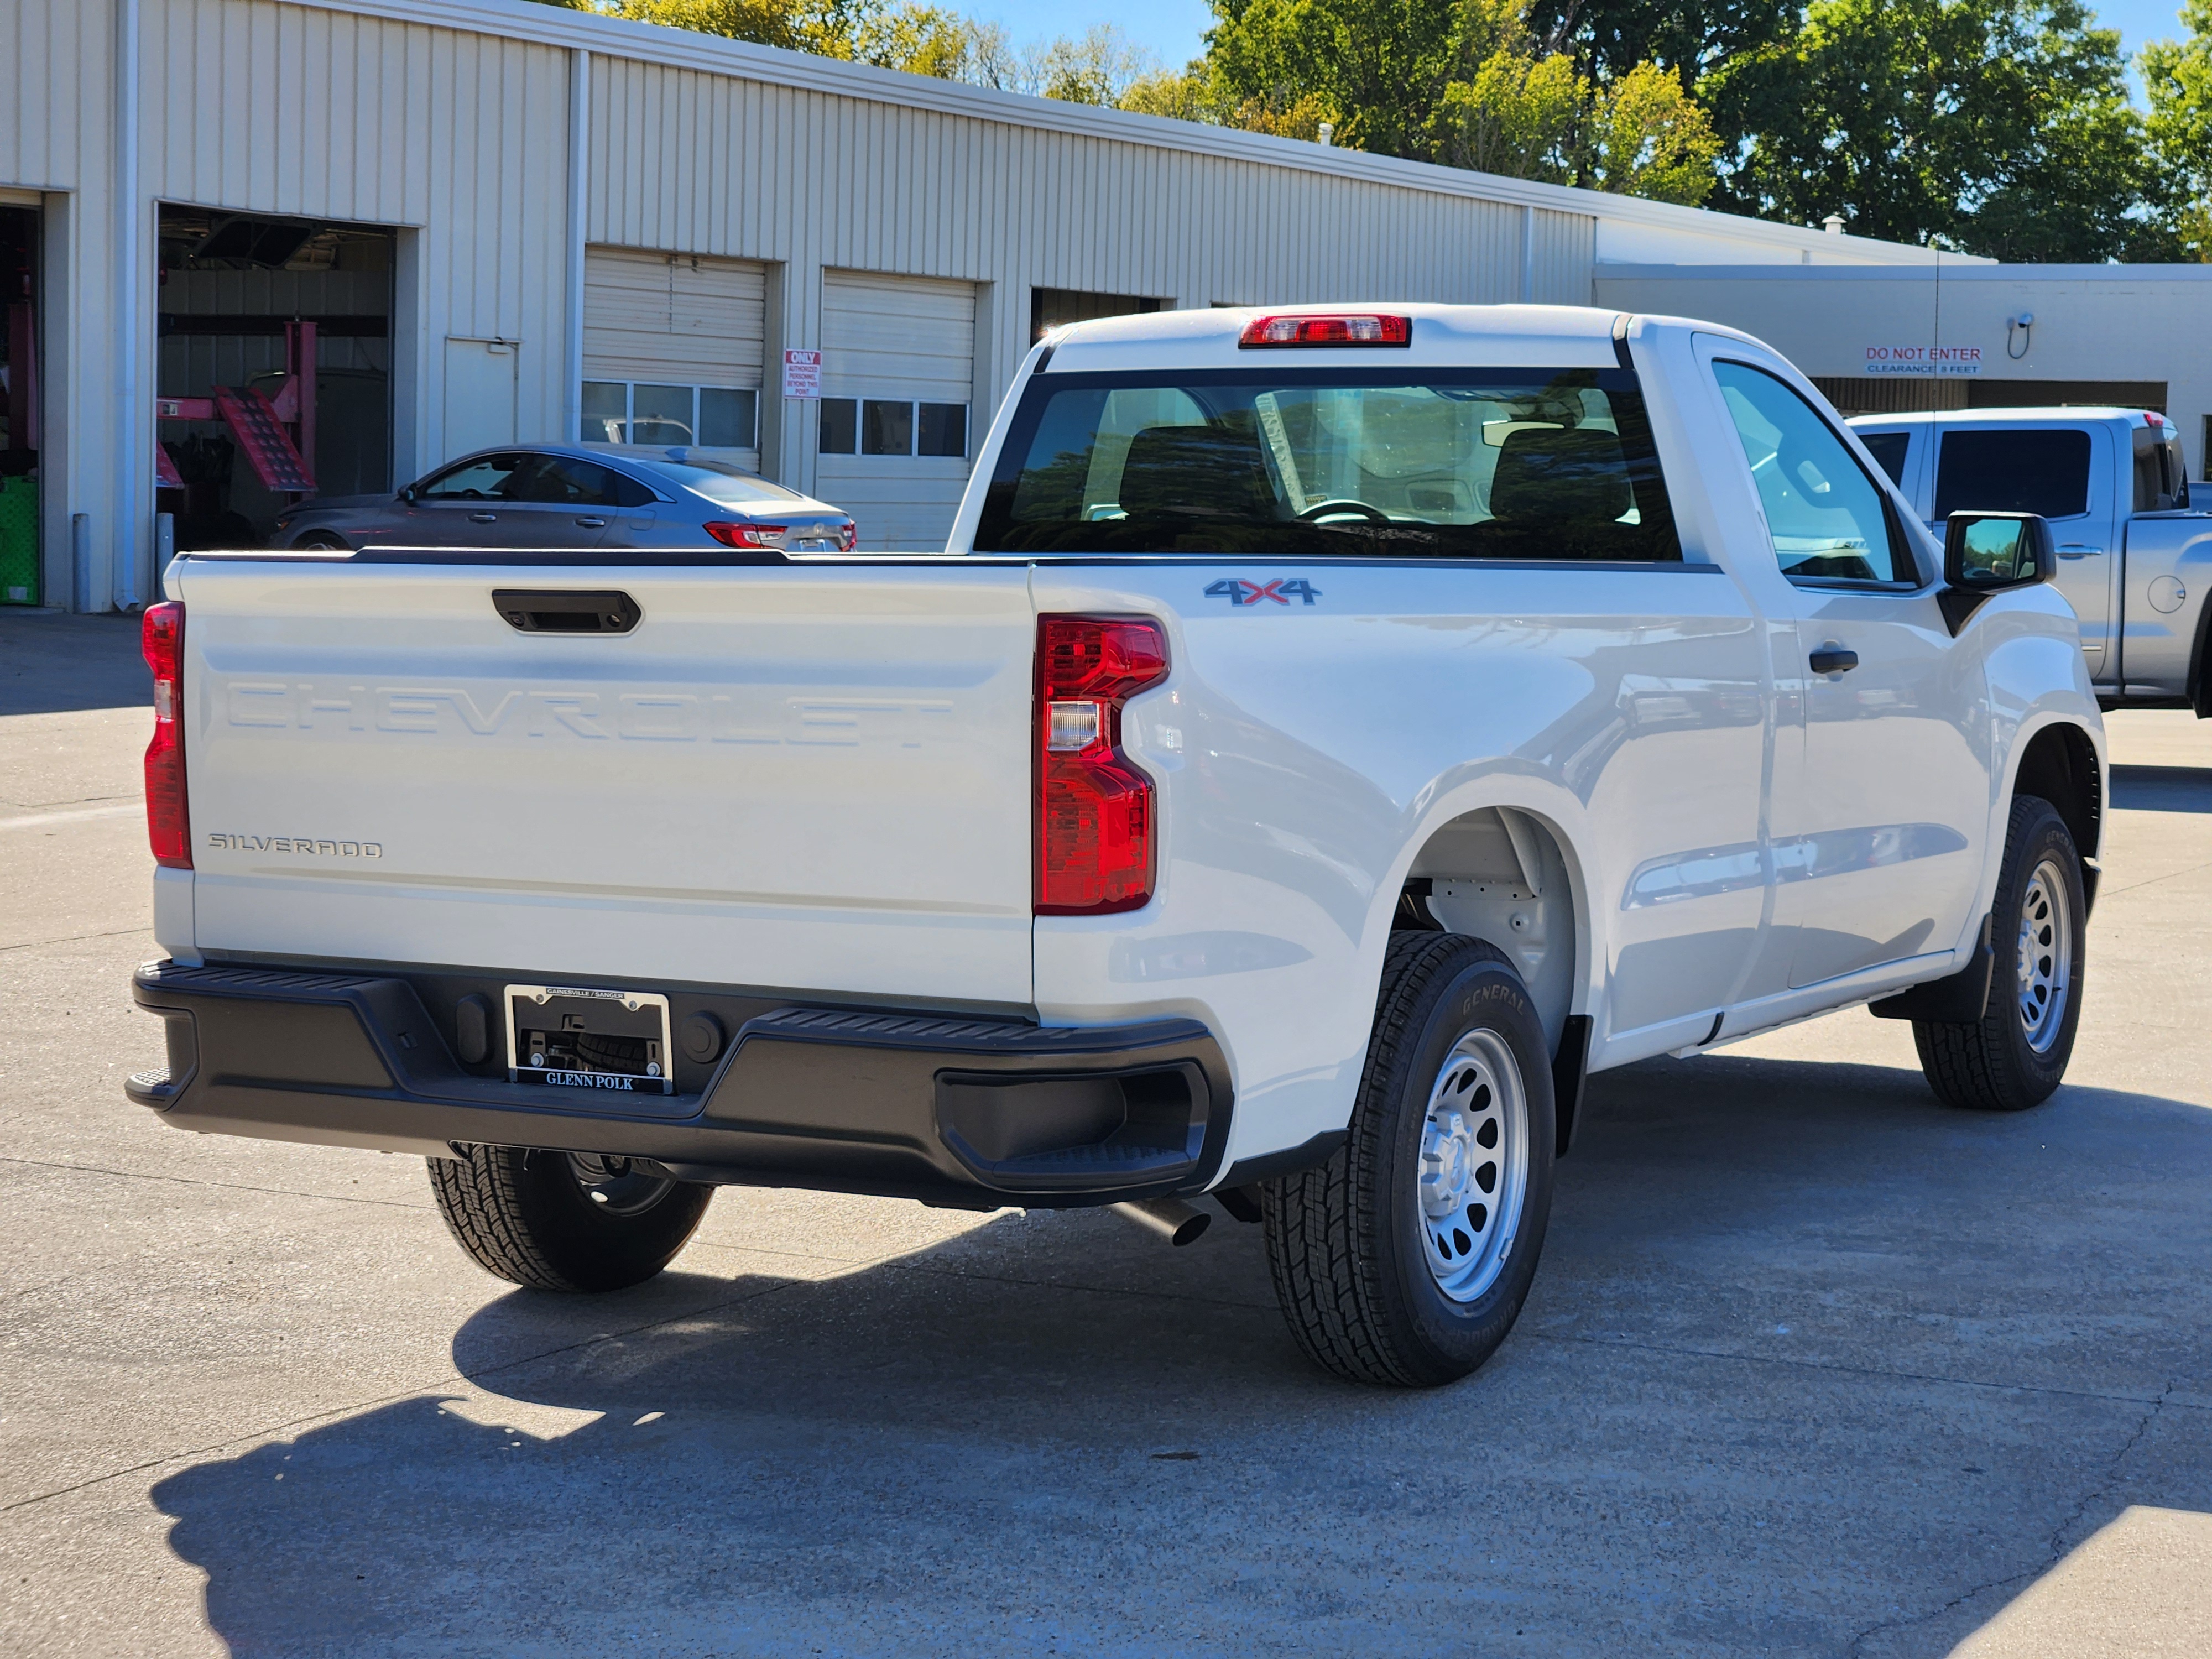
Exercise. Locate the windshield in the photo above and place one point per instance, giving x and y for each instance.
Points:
(1510, 463)
(718, 482)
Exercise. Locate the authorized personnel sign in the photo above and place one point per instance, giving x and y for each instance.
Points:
(802, 374)
(1944, 360)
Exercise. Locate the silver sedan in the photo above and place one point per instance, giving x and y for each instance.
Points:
(571, 496)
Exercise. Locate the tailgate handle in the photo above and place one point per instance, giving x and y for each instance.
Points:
(538, 611)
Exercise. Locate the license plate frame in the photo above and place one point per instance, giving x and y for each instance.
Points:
(628, 1048)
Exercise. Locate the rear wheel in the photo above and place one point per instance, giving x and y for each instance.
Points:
(1405, 1258)
(2014, 1056)
(321, 541)
(565, 1221)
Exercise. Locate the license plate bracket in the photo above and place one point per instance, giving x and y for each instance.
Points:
(579, 1036)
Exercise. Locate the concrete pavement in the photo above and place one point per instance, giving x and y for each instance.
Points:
(1813, 1366)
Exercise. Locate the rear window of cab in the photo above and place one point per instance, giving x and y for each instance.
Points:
(1503, 463)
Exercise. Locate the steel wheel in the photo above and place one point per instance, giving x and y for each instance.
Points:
(616, 1186)
(1474, 1165)
(2045, 957)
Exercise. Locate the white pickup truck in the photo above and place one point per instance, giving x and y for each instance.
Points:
(2135, 554)
(1328, 736)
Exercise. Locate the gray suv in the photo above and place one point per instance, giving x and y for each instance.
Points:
(569, 495)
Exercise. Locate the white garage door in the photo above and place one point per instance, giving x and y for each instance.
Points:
(898, 366)
(672, 346)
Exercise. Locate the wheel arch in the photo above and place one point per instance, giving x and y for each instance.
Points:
(1508, 875)
(2059, 764)
(2199, 684)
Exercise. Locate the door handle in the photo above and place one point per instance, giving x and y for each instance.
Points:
(1832, 659)
(593, 523)
(483, 518)
(2077, 550)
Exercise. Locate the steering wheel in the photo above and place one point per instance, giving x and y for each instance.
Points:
(1323, 509)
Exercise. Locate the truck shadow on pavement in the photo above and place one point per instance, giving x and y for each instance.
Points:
(1813, 1366)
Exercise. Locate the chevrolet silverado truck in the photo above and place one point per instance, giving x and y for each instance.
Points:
(1329, 736)
(2135, 556)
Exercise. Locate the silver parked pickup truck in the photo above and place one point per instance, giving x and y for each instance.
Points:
(2134, 558)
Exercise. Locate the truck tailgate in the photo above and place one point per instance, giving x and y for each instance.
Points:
(812, 779)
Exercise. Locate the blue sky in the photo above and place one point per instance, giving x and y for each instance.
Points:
(1171, 28)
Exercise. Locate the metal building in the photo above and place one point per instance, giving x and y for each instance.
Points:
(1965, 335)
(252, 248)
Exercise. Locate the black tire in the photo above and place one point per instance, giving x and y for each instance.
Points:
(321, 541)
(2015, 1054)
(530, 1217)
(1350, 1242)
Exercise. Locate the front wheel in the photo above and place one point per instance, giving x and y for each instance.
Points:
(564, 1221)
(1404, 1259)
(2014, 1056)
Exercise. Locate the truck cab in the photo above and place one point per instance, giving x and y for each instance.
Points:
(2134, 561)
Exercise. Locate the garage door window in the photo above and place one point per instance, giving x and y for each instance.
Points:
(879, 426)
(886, 428)
(643, 412)
(942, 430)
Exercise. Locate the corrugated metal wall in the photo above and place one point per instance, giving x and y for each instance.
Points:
(57, 66)
(693, 163)
(441, 123)
(463, 138)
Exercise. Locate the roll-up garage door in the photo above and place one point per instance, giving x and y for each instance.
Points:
(672, 347)
(898, 365)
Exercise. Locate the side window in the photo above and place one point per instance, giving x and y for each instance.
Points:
(563, 481)
(2150, 475)
(483, 478)
(629, 492)
(2042, 469)
(1828, 520)
(1889, 450)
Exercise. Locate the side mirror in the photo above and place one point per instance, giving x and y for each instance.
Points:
(1984, 553)
(1987, 551)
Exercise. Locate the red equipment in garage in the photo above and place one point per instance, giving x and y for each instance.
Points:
(276, 436)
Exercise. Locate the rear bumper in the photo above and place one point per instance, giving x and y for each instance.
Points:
(973, 1113)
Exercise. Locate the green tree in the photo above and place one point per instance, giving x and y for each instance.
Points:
(2177, 77)
(925, 40)
(1998, 127)
(1383, 64)
(1607, 38)
(1468, 82)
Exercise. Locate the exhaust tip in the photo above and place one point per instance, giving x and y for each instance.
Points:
(1166, 1218)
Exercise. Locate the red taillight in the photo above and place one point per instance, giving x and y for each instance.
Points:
(168, 826)
(1095, 819)
(1342, 329)
(848, 538)
(769, 536)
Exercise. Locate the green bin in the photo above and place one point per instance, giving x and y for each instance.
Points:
(19, 541)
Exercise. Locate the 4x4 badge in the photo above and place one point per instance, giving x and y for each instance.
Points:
(1282, 591)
